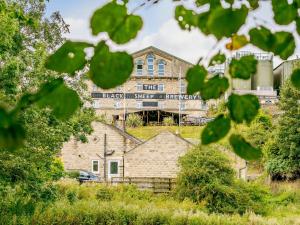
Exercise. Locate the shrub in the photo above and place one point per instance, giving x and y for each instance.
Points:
(72, 174)
(168, 121)
(207, 177)
(104, 193)
(134, 120)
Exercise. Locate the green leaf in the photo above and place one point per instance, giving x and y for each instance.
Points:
(186, 18)
(295, 78)
(195, 77)
(214, 88)
(110, 69)
(225, 22)
(243, 149)
(217, 59)
(113, 19)
(254, 3)
(243, 68)
(280, 43)
(284, 44)
(243, 107)
(215, 130)
(202, 22)
(69, 58)
(12, 134)
(61, 99)
(298, 25)
(284, 13)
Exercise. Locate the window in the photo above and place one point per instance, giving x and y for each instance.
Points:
(139, 87)
(118, 105)
(203, 105)
(95, 88)
(113, 168)
(150, 62)
(161, 67)
(161, 105)
(182, 105)
(95, 166)
(139, 104)
(161, 87)
(96, 104)
(182, 88)
(139, 67)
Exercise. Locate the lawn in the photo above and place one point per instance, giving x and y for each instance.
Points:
(147, 132)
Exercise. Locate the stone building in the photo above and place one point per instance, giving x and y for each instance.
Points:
(157, 157)
(103, 154)
(156, 89)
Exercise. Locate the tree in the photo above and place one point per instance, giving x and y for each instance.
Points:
(283, 148)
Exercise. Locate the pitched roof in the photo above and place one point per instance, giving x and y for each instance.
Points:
(161, 133)
(124, 133)
(159, 52)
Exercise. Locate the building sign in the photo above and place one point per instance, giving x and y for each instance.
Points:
(150, 87)
(150, 104)
(146, 96)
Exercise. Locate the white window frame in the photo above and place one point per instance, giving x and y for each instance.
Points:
(95, 88)
(150, 71)
(161, 89)
(96, 104)
(139, 104)
(161, 72)
(109, 169)
(98, 171)
(118, 104)
(139, 72)
(182, 88)
(182, 105)
(161, 104)
(139, 87)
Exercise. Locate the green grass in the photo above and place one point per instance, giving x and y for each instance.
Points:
(147, 132)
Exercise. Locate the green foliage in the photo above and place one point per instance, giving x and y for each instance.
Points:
(187, 19)
(195, 77)
(282, 149)
(215, 130)
(115, 67)
(243, 107)
(69, 58)
(237, 42)
(244, 149)
(243, 68)
(134, 120)
(206, 177)
(295, 78)
(113, 19)
(214, 88)
(284, 13)
(168, 121)
(217, 59)
(104, 193)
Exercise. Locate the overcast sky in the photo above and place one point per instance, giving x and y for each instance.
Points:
(160, 28)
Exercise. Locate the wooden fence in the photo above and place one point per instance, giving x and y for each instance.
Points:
(155, 184)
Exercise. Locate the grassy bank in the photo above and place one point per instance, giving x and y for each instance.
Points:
(146, 132)
(100, 204)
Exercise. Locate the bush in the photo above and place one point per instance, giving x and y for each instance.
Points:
(134, 120)
(104, 193)
(168, 121)
(207, 177)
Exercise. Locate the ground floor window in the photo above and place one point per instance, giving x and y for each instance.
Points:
(113, 167)
(95, 166)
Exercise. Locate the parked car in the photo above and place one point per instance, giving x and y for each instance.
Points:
(87, 176)
(195, 121)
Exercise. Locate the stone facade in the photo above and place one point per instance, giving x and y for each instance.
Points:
(157, 157)
(105, 138)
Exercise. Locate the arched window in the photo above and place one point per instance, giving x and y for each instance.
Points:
(150, 62)
(161, 67)
(139, 67)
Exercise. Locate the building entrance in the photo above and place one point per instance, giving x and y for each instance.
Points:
(156, 117)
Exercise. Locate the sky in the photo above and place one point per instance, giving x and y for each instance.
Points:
(160, 29)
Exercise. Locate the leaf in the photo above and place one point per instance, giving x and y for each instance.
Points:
(243, 107)
(243, 149)
(215, 130)
(214, 88)
(202, 22)
(61, 99)
(110, 69)
(243, 68)
(69, 58)
(237, 42)
(113, 19)
(295, 78)
(225, 22)
(280, 43)
(254, 3)
(298, 25)
(195, 77)
(12, 134)
(284, 13)
(217, 59)
(186, 18)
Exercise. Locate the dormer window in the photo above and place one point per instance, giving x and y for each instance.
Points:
(139, 67)
(150, 62)
(161, 67)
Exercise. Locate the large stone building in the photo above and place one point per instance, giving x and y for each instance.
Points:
(156, 89)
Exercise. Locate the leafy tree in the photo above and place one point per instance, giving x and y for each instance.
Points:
(283, 148)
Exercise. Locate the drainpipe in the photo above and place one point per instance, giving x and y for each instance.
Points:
(104, 156)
